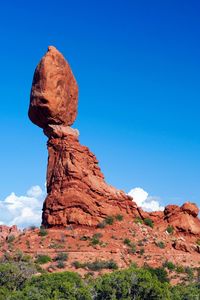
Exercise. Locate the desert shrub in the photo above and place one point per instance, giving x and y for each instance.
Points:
(130, 284)
(96, 265)
(160, 273)
(141, 251)
(15, 270)
(131, 245)
(185, 292)
(43, 231)
(101, 264)
(140, 243)
(149, 222)
(62, 256)
(180, 269)
(119, 217)
(43, 259)
(77, 264)
(160, 244)
(56, 246)
(169, 265)
(138, 220)
(109, 220)
(127, 242)
(65, 285)
(170, 229)
(190, 273)
(10, 238)
(61, 264)
(101, 225)
(198, 242)
(132, 249)
(84, 238)
(95, 240)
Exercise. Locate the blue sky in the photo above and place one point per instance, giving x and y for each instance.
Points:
(137, 64)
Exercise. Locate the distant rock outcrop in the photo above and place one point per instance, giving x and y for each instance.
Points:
(77, 192)
(183, 218)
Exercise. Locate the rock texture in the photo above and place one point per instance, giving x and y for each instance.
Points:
(6, 232)
(54, 93)
(77, 192)
(184, 219)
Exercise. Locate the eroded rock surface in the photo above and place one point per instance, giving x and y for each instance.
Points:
(184, 218)
(77, 192)
(54, 93)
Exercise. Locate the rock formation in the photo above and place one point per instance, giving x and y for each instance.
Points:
(184, 218)
(54, 93)
(77, 191)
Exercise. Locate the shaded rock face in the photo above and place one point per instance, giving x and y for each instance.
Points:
(54, 93)
(77, 192)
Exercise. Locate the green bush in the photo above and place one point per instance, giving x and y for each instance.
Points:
(160, 244)
(61, 264)
(127, 242)
(77, 264)
(55, 286)
(169, 265)
(190, 272)
(132, 249)
(101, 264)
(109, 220)
(101, 225)
(43, 231)
(17, 282)
(96, 265)
(95, 240)
(198, 242)
(141, 251)
(149, 222)
(119, 217)
(84, 238)
(160, 273)
(56, 246)
(130, 284)
(62, 256)
(43, 259)
(180, 269)
(131, 245)
(170, 229)
(10, 238)
(138, 220)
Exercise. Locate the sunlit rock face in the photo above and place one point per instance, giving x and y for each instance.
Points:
(54, 93)
(77, 191)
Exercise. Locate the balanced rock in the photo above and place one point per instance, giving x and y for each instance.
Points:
(77, 191)
(54, 93)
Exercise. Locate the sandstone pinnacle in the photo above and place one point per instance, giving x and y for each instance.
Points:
(77, 191)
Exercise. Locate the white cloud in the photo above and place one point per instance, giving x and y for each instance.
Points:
(35, 191)
(22, 211)
(142, 198)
